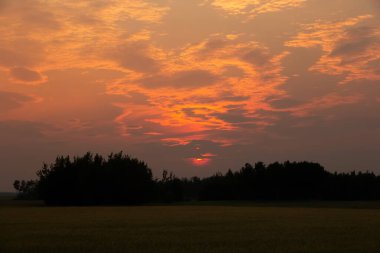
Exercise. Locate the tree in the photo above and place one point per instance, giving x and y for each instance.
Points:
(170, 188)
(26, 189)
(93, 180)
(119, 179)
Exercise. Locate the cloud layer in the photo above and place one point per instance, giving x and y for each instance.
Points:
(195, 86)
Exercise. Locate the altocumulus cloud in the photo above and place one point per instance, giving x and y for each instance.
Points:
(135, 56)
(182, 79)
(26, 75)
(13, 100)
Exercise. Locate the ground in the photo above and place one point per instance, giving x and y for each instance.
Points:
(197, 227)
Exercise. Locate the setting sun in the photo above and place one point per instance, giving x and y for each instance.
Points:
(200, 161)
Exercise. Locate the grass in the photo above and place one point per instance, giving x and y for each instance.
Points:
(217, 227)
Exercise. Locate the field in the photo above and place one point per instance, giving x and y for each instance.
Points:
(208, 227)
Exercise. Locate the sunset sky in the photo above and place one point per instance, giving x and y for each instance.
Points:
(190, 86)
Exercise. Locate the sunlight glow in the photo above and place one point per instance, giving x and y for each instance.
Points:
(200, 161)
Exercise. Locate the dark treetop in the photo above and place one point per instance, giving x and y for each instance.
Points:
(122, 180)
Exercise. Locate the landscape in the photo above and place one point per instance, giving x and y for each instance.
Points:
(190, 126)
(94, 204)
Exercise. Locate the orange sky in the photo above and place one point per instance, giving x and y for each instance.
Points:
(193, 86)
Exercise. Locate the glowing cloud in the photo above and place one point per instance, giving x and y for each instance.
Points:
(348, 49)
(252, 8)
(225, 81)
(205, 81)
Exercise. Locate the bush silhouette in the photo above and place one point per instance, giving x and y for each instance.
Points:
(93, 180)
(122, 180)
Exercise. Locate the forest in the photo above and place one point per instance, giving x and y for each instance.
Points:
(119, 179)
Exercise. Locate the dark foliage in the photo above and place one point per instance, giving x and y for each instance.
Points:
(93, 180)
(290, 181)
(120, 179)
(27, 190)
(191, 188)
(169, 189)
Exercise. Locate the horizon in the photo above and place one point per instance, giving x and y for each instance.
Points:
(193, 87)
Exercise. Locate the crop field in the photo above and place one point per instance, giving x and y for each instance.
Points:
(206, 227)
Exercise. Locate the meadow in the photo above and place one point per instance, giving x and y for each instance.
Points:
(198, 227)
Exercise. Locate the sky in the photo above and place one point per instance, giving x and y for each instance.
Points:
(190, 86)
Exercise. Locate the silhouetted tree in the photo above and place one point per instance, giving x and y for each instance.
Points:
(120, 179)
(170, 188)
(289, 181)
(26, 189)
(191, 188)
(93, 180)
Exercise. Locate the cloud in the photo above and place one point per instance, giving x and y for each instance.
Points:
(10, 58)
(317, 33)
(13, 100)
(136, 56)
(282, 103)
(348, 47)
(218, 96)
(336, 129)
(195, 113)
(184, 80)
(326, 102)
(21, 53)
(233, 71)
(51, 35)
(208, 155)
(39, 19)
(173, 90)
(257, 57)
(27, 76)
(162, 78)
(376, 3)
(4, 4)
(253, 8)
(234, 116)
(29, 130)
(212, 45)
(136, 98)
(355, 41)
(315, 106)
(203, 90)
(375, 66)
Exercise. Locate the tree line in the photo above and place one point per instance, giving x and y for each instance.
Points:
(120, 179)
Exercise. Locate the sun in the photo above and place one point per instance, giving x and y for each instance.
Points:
(200, 161)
